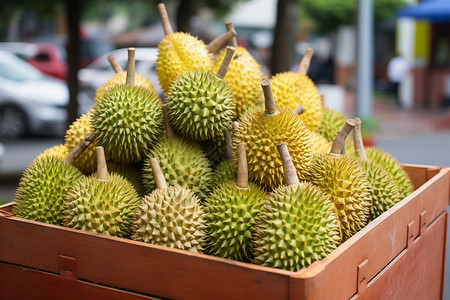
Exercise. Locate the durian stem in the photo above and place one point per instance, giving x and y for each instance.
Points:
(304, 63)
(158, 174)
(290, 173)
(102, 170)
(219, 41)
(235, 126)
(339, 142)
(299, 110)
(357, 140)
(228, 145)
(225, 63)
(167, 126)
(269, 100)
(131, 66)
(114, 63)
(76, 152)
(242, 175)
(323, 99)
(233, 41)
(164, 19)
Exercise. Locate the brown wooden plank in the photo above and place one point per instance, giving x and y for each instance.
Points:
(22, 283)
(379, 242)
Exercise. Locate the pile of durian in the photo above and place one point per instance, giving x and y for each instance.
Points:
(228, 164)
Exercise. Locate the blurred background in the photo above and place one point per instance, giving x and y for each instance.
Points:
(386, 61)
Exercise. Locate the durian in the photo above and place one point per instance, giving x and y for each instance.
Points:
(292, 89)
(227, 169)
(262, 131)
(383, 190)
(59, 151)
(121, 78)
(182, 162)
(181, 52)
(332, 122)
(201, 104)
(244, 76)
(132, 173)
(44, 185)
(344, 181)
(128, 119)
(170, 216)
(297, 225)
(87, 162)
(232, 211)
(103, 204)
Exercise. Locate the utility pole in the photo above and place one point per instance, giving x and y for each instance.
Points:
(364, 71)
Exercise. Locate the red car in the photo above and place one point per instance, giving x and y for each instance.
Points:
(49, 59)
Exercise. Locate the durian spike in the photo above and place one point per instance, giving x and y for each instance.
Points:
(357, 140)
(242, 173)
(323, 99)
(269, 100)
(233, 41)
(299, 110)
(306, 60)
(235, 126)
(102, 170)
(228, 144)
(225, 63)
(76, 152)
(158, 174)
(167, 126)
(219, 41)
(164, 19)
(290, 173)
(114, 63)
(131, 66)
(339, 142)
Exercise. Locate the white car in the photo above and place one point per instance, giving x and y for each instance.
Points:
(30, 102)
(99, 71)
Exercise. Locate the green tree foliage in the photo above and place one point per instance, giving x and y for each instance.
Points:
(328, 15)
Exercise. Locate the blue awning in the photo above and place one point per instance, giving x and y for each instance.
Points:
(431, 10)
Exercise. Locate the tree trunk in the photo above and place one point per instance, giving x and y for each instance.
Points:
(284, 36)
(73, 12)
(186, 10)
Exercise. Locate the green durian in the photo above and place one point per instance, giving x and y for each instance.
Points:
(132, 173)
(87, 162)
(59, 151)
(293, 89)
(170, 216)
(42, 189)
(232, 211)
(225, 171)
(297, 226)
(201, 104)
(332, 122)
(344, 181)
(393, 167)
(261, 132)
(103, 204)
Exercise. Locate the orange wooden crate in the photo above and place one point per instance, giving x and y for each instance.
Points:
(400, 255)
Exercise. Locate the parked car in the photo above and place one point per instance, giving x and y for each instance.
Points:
(49, 58)
(30, 102)
(99, 71)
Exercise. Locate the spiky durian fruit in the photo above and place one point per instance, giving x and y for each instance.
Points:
(104, 203)
(392, 166)
(170, 216)
(214, 150)
(120, 78)
(297, 225)
(225, 171)
(232, 211)
(294, 89)
(42, 189)
(59, 151)
(344, 181)
(132, 173)
(127, 121)
(320, 144)
(383, 190)
(332, 122)
(87, 162)
(183, 163)
(262, 131)
(201, 104)
(244, 76)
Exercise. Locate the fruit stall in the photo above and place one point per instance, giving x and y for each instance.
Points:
(231, 187)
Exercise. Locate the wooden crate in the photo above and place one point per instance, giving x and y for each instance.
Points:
(400, 255)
